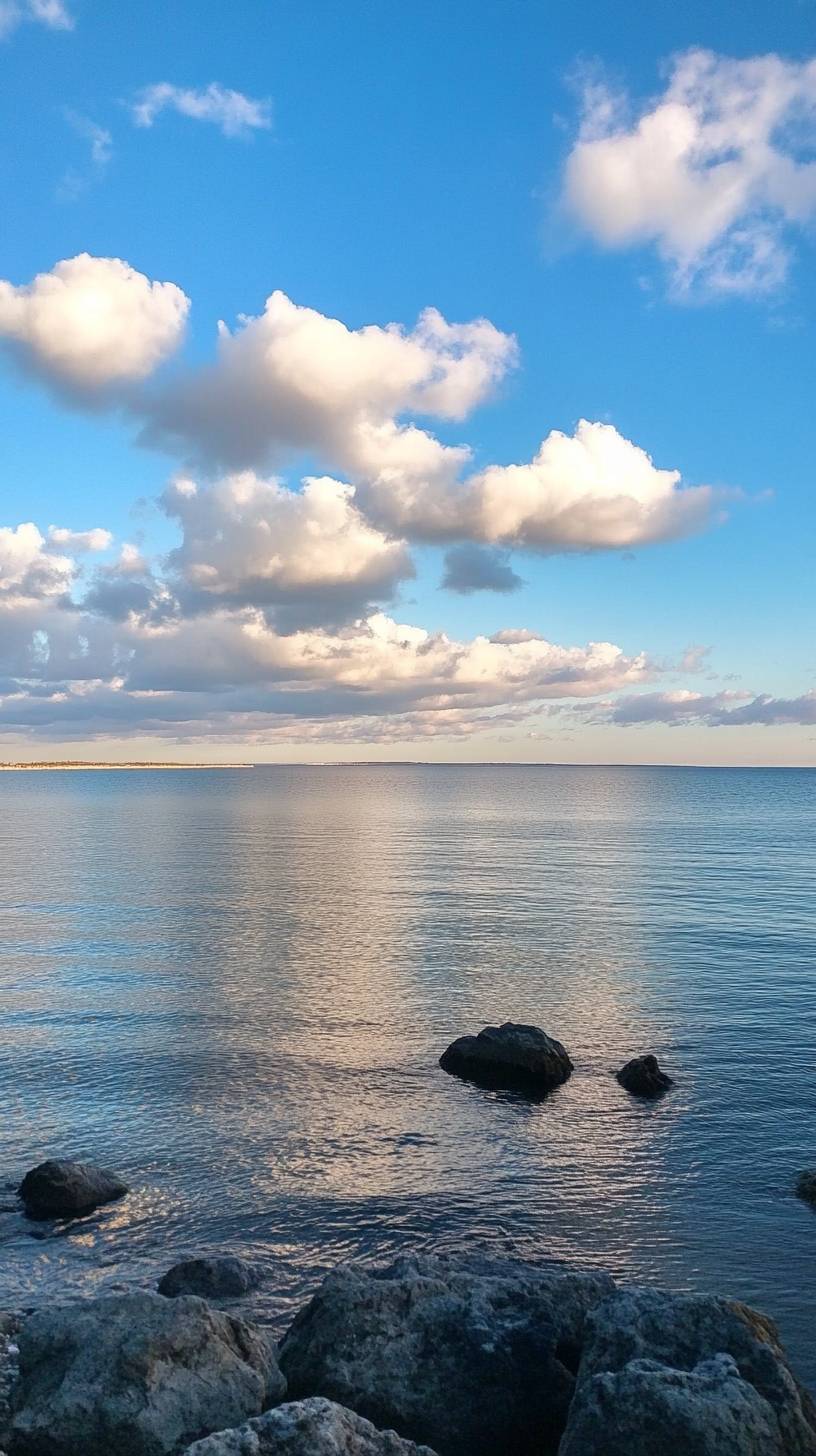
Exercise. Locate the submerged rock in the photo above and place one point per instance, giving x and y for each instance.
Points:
(511, 1055)
(806, 1185)
(474, 1357)
(61, 1189)
(136, 1375)
(222, 1276)
(643, 1077)
(646, 1408)
(681, 1334)
(307, 1428)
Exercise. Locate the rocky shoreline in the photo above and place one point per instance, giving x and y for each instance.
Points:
(429, 1356)
(460, 1355)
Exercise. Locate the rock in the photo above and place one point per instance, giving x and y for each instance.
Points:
(9, 1359)
(307, 1428)
(647, 1408)
(643, 1077)
(511, 1055)
(218, 1277)
(63, 1189)
(474, 1357)
(806, 1185)
(136, 1375)
(678, 1332)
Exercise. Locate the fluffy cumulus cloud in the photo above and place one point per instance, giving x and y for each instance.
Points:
(233, 113)
(267, 619)
(29, 568)
(593, 489)
(716, 172)
(309, 553)
(295, 378)
(52, 13)
(92, 323)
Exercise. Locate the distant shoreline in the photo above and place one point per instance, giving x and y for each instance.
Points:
(78, 767)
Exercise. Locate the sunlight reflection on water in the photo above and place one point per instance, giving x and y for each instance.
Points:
(234, 987)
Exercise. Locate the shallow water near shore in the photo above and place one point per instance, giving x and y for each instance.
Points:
(233, 988)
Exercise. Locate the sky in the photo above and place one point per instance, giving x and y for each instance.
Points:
(408, 381)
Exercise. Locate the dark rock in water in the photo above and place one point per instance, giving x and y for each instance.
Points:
(307, 1428)
(63, 1189)
(218, 1277)
(511, 1055)
(137, 1375)
(647, 1408)
(663, 1362)
(806, 1185)
(643, 1077)
(473, 1357)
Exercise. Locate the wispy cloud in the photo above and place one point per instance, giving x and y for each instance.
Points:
(52, 13)
(231, 111)
(100, 145)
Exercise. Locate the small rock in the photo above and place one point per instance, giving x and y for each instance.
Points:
(681, 1331)
(64, 1189)
(473, 1357)
(222, 1276)
(647, 1407)
(806, 1185)
(307, 1428)
(643, 1077)
(511, 1055)
(136, 1375)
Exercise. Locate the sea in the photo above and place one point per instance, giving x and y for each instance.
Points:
(233, 987)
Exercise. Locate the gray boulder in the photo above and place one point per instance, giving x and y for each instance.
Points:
(647, 1408)
(138, 1375)
(307, 1428)
(218, 1277)
(474, 1357)
(681, 1331)
(511, 1055)
(644, 1078)
(63, 1189)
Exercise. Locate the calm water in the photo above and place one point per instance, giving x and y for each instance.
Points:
(233, 987)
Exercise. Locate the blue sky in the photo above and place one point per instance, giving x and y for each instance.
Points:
(419, 156)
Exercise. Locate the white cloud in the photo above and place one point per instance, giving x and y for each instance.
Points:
(231, 111)
(715, 710)
(294, 378)
(716, 172)
(97, 539)
(65, 671)
(52, 13)
(93, 322)
(253, 541)
(75, 180)
(593, 489)
(28, 569)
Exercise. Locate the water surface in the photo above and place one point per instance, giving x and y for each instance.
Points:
(233, 987)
